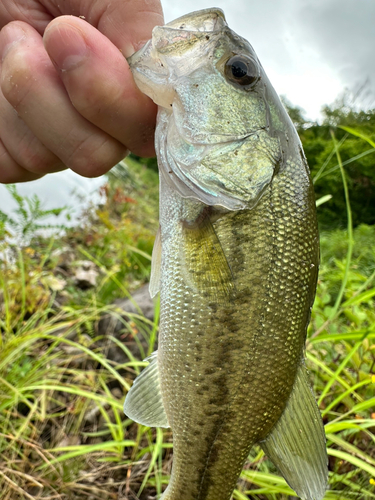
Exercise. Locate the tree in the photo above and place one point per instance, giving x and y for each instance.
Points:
(359, 162)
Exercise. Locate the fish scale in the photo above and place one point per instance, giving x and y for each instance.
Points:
(235, 261)
(239, 366)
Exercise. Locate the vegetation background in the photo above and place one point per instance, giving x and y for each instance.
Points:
(69, 352)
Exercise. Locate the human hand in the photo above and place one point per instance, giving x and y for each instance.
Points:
(67, 96)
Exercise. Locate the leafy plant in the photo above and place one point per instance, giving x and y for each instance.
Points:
(357, 158)
(63, 434)
(27, 218)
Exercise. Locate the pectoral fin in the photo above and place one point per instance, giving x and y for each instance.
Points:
(155, 266)
(204, 262)
(297, 444)
(143, 403)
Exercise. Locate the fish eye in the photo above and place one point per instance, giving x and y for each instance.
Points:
(242, 70)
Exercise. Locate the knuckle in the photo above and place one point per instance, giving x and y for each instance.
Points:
(11, 172)
(8, 168)
(92, 103)
(93, 160)
(41, 164)
(142, 143)
(16, 80)
(6, 176)
(35, 157)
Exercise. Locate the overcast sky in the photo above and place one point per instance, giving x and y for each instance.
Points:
(311, 50)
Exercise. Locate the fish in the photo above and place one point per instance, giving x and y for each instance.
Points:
(235, 262)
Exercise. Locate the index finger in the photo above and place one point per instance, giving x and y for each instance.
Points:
(127, 23)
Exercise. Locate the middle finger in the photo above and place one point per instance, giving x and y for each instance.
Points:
(32, 86)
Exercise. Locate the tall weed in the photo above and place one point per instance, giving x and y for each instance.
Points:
(63, 434)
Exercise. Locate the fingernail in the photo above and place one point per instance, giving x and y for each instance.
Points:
(65, 45)
(11, 35)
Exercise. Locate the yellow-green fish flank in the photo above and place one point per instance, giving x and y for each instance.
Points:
(235, 261)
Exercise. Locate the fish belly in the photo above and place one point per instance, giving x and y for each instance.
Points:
(228, 368)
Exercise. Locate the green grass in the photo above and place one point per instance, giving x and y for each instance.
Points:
(63, 434)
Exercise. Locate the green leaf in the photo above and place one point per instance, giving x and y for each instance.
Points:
(359, 134)
(361, 464)
(323, 199)
(358, 299)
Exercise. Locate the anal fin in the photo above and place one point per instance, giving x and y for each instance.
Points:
(143, 403)
(297, 444)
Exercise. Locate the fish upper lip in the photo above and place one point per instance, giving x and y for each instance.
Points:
(189, 21)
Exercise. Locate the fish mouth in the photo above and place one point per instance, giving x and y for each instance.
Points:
(151, 73)
(206, 20)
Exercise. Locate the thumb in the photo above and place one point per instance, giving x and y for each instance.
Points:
(99, 83)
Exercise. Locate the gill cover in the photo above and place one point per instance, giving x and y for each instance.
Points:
(216, 139)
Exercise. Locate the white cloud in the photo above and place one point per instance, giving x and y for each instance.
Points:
(310, 49)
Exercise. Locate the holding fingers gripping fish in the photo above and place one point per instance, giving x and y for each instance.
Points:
(236, 262)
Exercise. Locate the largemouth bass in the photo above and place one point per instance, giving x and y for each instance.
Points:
(236, 262)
